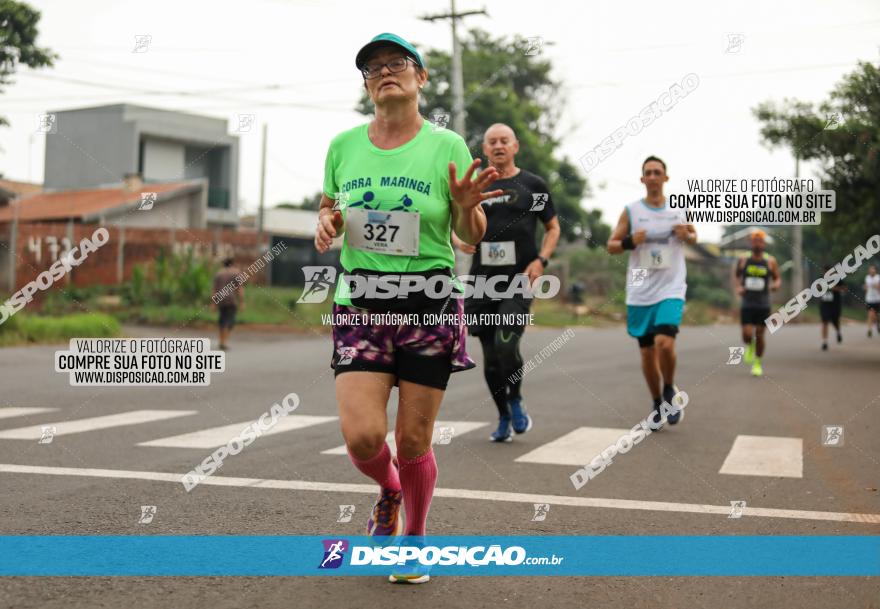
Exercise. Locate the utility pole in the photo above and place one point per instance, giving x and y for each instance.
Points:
(458, 122)
(462, 260)
(797, 246)
(262, 181)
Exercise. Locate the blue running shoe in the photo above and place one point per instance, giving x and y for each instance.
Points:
(522, 422)
(655, 419)
(502, 434)
(412, 572)
(677, 414)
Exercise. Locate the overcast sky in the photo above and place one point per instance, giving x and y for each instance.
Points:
(291, 63)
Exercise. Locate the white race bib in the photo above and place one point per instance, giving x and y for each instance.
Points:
(755, 284)
(383, 232)
(655, 256)
(828, 296)
(498, 253)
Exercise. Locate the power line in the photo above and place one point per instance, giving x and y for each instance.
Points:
(717, 75)
(213, 94)
(129, 68)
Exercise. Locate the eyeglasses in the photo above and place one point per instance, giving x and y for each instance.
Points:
(373, 70)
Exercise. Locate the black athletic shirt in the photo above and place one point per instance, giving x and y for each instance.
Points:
(755, 278)
(833, 298)
(513, 216)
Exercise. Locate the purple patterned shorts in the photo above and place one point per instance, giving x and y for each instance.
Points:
(423, 354)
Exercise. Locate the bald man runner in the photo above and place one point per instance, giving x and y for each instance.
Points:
(755, 277)
(508, 249)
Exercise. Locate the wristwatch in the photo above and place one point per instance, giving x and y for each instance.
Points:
(544, 261)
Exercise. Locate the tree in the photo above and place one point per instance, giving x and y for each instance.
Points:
(503, 84)
(843, 135)
(597, 232)
(18, 35)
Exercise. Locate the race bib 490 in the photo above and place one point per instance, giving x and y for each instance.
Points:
(498, 253)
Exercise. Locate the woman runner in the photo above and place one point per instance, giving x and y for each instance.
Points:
(397, 199)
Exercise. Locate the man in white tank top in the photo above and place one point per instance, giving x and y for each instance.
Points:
(656, 283)
(872, 299)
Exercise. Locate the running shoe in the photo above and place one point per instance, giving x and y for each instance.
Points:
(502, 434)
(839, 337)
(522, 422)
(655, 419)
(411, 573)
(386, 519)
(677, 414)
(749, 354)
(824, 346)
(757, 370)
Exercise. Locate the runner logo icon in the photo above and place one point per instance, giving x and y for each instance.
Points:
(48, 433)
(346, 354)
(334, 553)
(318, 280)
(345, 513)
(148, 512)
(736, 509)
(832, 435)
(736, 355)
(539, 200)
(638, 277)
(541, 510)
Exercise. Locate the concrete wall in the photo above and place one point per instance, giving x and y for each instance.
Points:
(164, 160)
(167, 214)
(91, 147)
(114, 262)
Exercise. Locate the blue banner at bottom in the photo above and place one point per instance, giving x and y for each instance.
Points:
(439, 555)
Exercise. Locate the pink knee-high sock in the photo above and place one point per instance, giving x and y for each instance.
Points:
(379, 468)
(417, 477)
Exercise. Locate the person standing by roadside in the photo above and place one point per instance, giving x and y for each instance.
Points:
(228, 299)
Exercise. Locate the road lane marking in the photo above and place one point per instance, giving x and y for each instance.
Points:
(577, 447)
(63, 428)
(459, 429)
(218, 436)
(20, 411)
(765, 456)
(448, 493)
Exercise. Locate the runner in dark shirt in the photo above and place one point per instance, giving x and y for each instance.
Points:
(756, 276)
(509, 249)
(830, 307)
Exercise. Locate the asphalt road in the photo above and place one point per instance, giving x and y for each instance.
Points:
(672, 483)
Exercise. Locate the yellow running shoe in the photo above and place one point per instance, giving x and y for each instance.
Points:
(749, 355)
(757, 370)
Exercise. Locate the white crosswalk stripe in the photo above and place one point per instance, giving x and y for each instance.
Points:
(765, 456)
(577, 447)
(218, 436)
(20, 411)
(63, 428)
(748, 455)
(459, 428)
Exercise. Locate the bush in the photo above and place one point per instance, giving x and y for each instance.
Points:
(180, 279)
(717, 297)
(39, 329)
(70, 299)
(707, 287)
